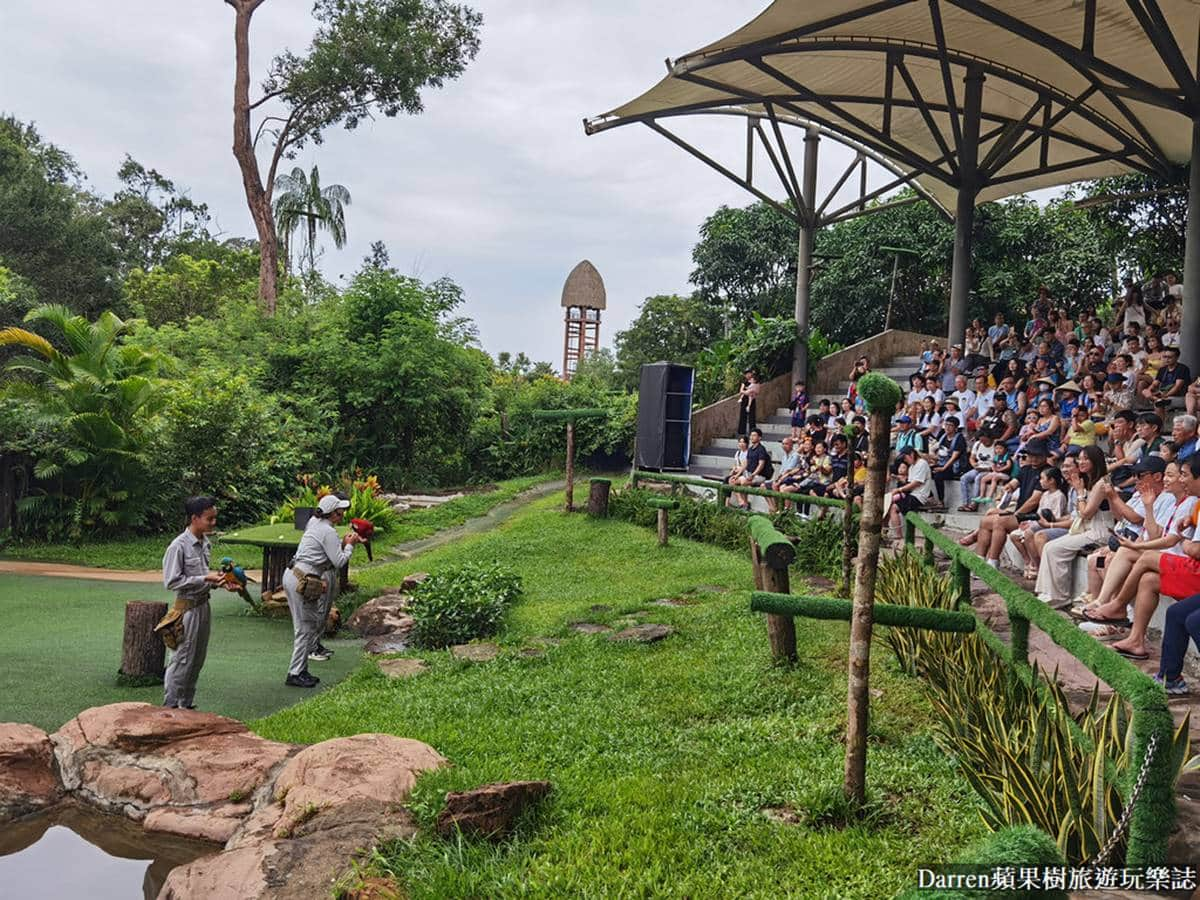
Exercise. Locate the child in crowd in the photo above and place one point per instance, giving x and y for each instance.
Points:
(799, 407)
(1000, 475)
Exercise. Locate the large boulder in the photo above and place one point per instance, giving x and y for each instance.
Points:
(290, 819)
(366, 766)
(27, 778)
(383, 615)
(304, 865)
(183, 772)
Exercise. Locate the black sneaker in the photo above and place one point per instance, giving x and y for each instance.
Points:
(321, 648)
(303, 680)
(319, 655)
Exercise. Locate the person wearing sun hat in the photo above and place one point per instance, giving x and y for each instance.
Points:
(1068, 393)
(311, 582)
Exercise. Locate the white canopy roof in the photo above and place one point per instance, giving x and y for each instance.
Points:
(1072, 89)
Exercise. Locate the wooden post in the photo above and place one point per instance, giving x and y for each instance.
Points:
(570, 466)
(848, 531)
(771, 574)
(143, 655)
(882, 394)
(781, 630)
(598, 497)
(662, 526)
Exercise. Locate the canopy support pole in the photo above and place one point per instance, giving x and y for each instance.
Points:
(1189, 325)
(964, 213)
(808, 227)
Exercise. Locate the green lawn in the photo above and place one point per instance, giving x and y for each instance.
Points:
(662, 757)
(140, 553)
(61, 648)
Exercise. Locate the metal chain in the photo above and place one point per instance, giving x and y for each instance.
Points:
(1118, 833)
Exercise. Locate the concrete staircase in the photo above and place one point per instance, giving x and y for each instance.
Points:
(715, 459)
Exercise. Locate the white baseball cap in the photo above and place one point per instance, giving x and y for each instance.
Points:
(331, 502)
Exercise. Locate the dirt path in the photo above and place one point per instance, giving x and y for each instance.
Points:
(68, 570)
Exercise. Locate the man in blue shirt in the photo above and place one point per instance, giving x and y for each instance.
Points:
(998, 331)
(1183, 433)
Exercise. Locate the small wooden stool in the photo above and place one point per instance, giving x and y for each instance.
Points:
(662, 504)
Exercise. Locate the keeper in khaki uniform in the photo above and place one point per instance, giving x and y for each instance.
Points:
(186, 627)
(311, 584)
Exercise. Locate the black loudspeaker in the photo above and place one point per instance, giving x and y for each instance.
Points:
(664, 427)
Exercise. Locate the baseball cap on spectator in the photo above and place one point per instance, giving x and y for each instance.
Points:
(905, 420)
(1114, 377)
(1154, 464)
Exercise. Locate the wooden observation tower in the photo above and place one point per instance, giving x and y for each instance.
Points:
(583, 298)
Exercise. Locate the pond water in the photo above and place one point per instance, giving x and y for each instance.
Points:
(71, 852)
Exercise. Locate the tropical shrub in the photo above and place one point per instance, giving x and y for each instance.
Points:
(219, 436)
(818, 545)
(457, 605)
(1030, 760)
(363, 493)
(96, 397)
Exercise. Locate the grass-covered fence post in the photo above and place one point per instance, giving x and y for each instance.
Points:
(1153, 816)
(772, 553)
(570, 416)
(663, 505)
(881, 395)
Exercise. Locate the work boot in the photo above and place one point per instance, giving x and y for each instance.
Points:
(304, 680)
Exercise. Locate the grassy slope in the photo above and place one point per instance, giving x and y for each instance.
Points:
(661, 756)
(60, 650)
(141, 553)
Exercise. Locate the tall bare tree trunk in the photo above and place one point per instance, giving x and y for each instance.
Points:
(862, 617)
(258, 198)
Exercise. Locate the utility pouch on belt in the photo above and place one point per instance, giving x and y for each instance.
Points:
(170, 627)
(312, 587)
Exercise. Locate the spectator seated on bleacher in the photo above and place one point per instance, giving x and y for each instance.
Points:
(1174, 572)
(1136, 534)
(1020, 497)
(1091, 519)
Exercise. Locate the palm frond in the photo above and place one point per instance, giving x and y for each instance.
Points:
(19, 337)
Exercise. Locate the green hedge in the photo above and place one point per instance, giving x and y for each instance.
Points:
(818, 550)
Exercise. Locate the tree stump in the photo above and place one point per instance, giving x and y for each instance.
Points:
(143, 655)
(597, 506)
(662, 528)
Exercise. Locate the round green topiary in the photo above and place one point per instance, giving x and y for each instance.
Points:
(880, 392)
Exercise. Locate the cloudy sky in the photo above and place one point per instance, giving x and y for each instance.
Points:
(495, 185)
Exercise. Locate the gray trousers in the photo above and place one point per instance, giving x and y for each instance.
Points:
(333, 580)
(188, 658)
(308, 621)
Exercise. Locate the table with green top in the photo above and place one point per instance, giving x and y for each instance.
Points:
(278, 543)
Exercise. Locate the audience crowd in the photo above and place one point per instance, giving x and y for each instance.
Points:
(1076, 438)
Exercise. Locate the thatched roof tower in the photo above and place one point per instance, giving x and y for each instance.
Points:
(584, 288)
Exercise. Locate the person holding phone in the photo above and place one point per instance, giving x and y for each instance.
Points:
(1052, 507)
